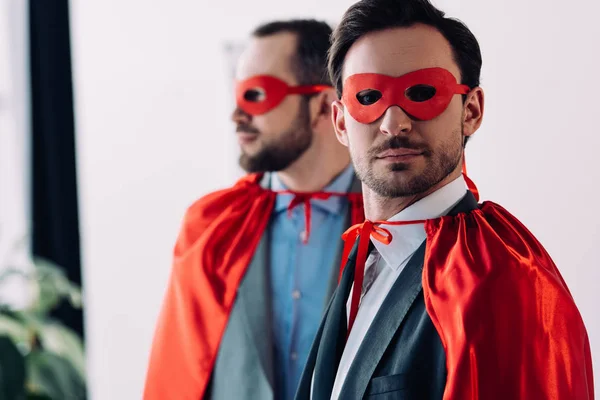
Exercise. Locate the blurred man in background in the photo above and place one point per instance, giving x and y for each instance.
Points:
(256, 264)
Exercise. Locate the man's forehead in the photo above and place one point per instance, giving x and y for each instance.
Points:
(398, 51)
(269, 55)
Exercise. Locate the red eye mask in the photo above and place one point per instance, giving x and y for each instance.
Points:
(261, 94)
(423, 94)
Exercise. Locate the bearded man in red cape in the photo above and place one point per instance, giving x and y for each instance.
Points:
(256, 264)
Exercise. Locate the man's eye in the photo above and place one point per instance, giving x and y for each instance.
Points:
(420, 93)
(368, 97)
(254, 95)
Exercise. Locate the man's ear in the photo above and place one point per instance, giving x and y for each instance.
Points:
(473, 111)
(339, 122)
(320, 107)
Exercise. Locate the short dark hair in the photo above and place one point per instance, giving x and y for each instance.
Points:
(375, 15)
(310, 62)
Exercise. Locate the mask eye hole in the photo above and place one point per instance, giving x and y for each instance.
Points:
(420, 93)
(368, 96)
(255, 95)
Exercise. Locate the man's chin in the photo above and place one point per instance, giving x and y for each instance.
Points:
(396, 171)
(395, 184)
(257, 163)
(251, 149)
(249, 164)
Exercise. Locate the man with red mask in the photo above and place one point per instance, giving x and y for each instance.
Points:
(440, 298)
(255, 264)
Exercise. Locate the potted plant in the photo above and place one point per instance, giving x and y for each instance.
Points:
(40, 358)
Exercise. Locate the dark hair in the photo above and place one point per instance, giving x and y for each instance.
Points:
(310, 62)
(374, 15)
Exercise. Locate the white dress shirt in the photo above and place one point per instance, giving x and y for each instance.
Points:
(386, 262)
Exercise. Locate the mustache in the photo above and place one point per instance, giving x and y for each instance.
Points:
(398, 142)
(247, 128)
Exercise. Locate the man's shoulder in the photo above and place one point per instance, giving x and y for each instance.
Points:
(222, 210)
(216, 202)
(496, 256)
(519, 269)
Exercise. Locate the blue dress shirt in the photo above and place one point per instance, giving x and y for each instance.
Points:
(300, 275)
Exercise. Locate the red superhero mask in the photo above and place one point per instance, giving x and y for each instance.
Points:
(260, 94)
(423, 94)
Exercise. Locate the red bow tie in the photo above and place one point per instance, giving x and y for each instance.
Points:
(305, 197)
(365, 232)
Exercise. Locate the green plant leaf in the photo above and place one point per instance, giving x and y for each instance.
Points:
(53, 376)
(33, 396)
(12, 370)
(17, 330)
(53, 286)
(64, 342)
(32, 323)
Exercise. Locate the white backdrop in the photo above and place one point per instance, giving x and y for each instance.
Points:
(14, 150)
(152, 99)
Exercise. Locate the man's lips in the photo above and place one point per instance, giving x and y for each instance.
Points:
(399, 153)
(246, 137)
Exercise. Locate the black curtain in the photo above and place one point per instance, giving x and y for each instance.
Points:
(54, 203)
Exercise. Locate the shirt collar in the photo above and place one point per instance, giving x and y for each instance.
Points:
(333, 205)
(406, 239)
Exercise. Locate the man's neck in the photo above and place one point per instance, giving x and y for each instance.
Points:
(379, 208)
(314, 171)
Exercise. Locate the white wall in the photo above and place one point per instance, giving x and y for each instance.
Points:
(14, 152)
(153, 134)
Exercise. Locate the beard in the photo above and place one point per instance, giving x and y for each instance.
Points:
(399, 179)
(279, 153)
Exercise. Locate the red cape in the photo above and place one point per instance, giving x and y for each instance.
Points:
(508, 323)
(217, 242)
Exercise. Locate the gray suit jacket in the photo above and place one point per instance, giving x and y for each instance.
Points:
(244, 365)
(401, 356)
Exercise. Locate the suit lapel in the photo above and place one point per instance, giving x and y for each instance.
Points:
(335, 269)
(385, 325)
